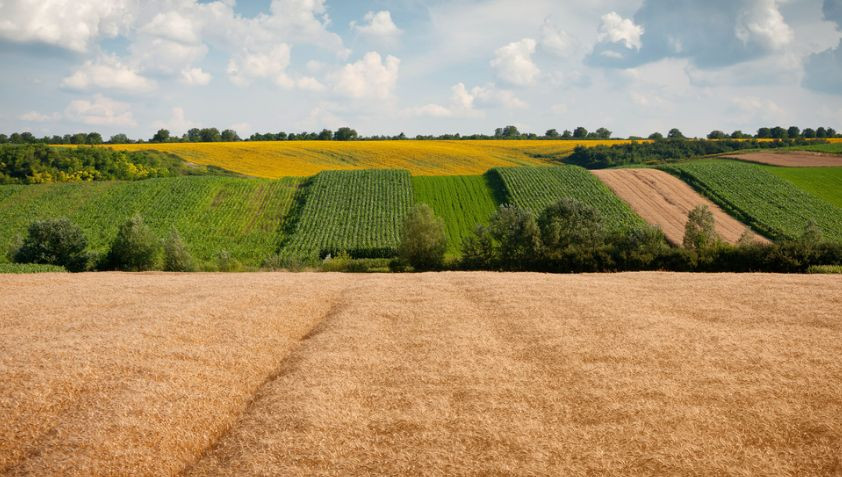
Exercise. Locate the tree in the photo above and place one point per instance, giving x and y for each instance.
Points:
(210, 135)
(699, 232)
(119, 139)
(345, 134)
(79, 138)
(716, 134)
(570, 224)
(325, 135)
(423, 241)
(551, 133)
(517, 235)
(567, 134)
(54, 242)
(4, 139)
(580, 133)
(809, 133)
(176, 256)
(656, 136)
(229, 135)
(603, 133)
(510, 132)
(135, 248)
(793, 132)
(162, 135)
(764, 133)
(737, 134)
(831, 132)
(778, 132)
(675, 133)
(93, 138)
(194, 135)
(821, 133)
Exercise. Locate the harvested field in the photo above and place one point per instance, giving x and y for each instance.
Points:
(434, 374)
(664, 200)
(790, 158)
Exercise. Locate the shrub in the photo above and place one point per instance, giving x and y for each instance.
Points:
(176, 256)
(225, 262)
(570, 224)
(699, 233)
(135, 248)
(423, 241)
(18, 268)
(54, 242)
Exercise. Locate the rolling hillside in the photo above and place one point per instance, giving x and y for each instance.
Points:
(305, 158)
(212, 214)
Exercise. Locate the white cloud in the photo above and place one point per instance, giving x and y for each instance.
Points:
(370, 77)
(616, 29)
(308, 83)
(100, 111)
(271, 64)
(108, 73)
(513, 62)
(195, 76)
(555, 40)
(466, 102)
(177, 123)
(71, 25)
(36, 117)
(761, 24)
(378, 24)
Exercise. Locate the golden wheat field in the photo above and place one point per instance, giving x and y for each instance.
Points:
(272, 159)
(420, 374)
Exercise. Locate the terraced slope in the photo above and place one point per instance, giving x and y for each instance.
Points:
(823, 182)
(305, 158)
(462, 201)
(536, 188)
(240, 216)
(664, 200)
(360, 212)
(771, 205)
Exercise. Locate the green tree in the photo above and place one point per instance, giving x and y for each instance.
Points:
(423, 241)
(93, 138)
(580, 133)
(54, 242)
(675, 133)
(699, 232)
(656, 136)
(793, 132)
(603, 133)
(809, 133)
(176, 256)
(570, 224)
(778, 132)
(135, 248)
(210, 135)
(517, 235)
(119, 139)
(325, 135)
(567, 134)
(551, 133)
(345, 134)
(229, 135)
(162, 135)
(764, 133)
(716, 134)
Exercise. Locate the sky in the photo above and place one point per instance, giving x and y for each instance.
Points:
(418, 66)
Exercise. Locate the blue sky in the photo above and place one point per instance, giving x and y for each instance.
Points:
(420, 67)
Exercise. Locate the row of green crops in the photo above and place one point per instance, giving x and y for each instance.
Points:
(212, 214)
(823, 182)
(462, 201)
(771, 205)
(535, 188)
(360, 212)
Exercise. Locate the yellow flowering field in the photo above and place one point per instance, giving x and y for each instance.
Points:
(273, 159)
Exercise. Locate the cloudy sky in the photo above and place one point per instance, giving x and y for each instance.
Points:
(418, 66)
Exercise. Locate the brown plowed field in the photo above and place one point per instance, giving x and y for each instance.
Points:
(790, 159)
(420, 374)
(664, 200)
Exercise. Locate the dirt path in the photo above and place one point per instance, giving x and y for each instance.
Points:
(420, 374)
(790, 158)
(664, 200)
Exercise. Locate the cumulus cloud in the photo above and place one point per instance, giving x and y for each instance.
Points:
(513, 62)
(370, 77)
(108, 72)
(271, 64)
(554, 40)
(69, 25)
(36, 117)
(710, 34)
(832, 10)
(177, 122)
(195, 76)
(378, 24)
(466, 102)
(823, 70)
(100, 111)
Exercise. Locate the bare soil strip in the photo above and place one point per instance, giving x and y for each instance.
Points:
(664, 200)
(790, 158)
(421, 374)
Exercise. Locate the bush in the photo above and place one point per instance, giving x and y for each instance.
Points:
(570, 224)
(699, 232)
(18, 268)
(54, 242)
(135, 248)
(176, 256)
(423, 241)
(225, 262)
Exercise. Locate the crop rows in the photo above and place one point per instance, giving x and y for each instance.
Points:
(359, 212)
(462, 201)
(769, 204)
(823, 182)
(536, 188)
(240, 216)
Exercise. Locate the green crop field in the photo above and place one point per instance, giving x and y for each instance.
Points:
(823, 182)
(462, 201)
(535, 188)
(771, 205)
(832, 148)
(360, 212)
(240, 216)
